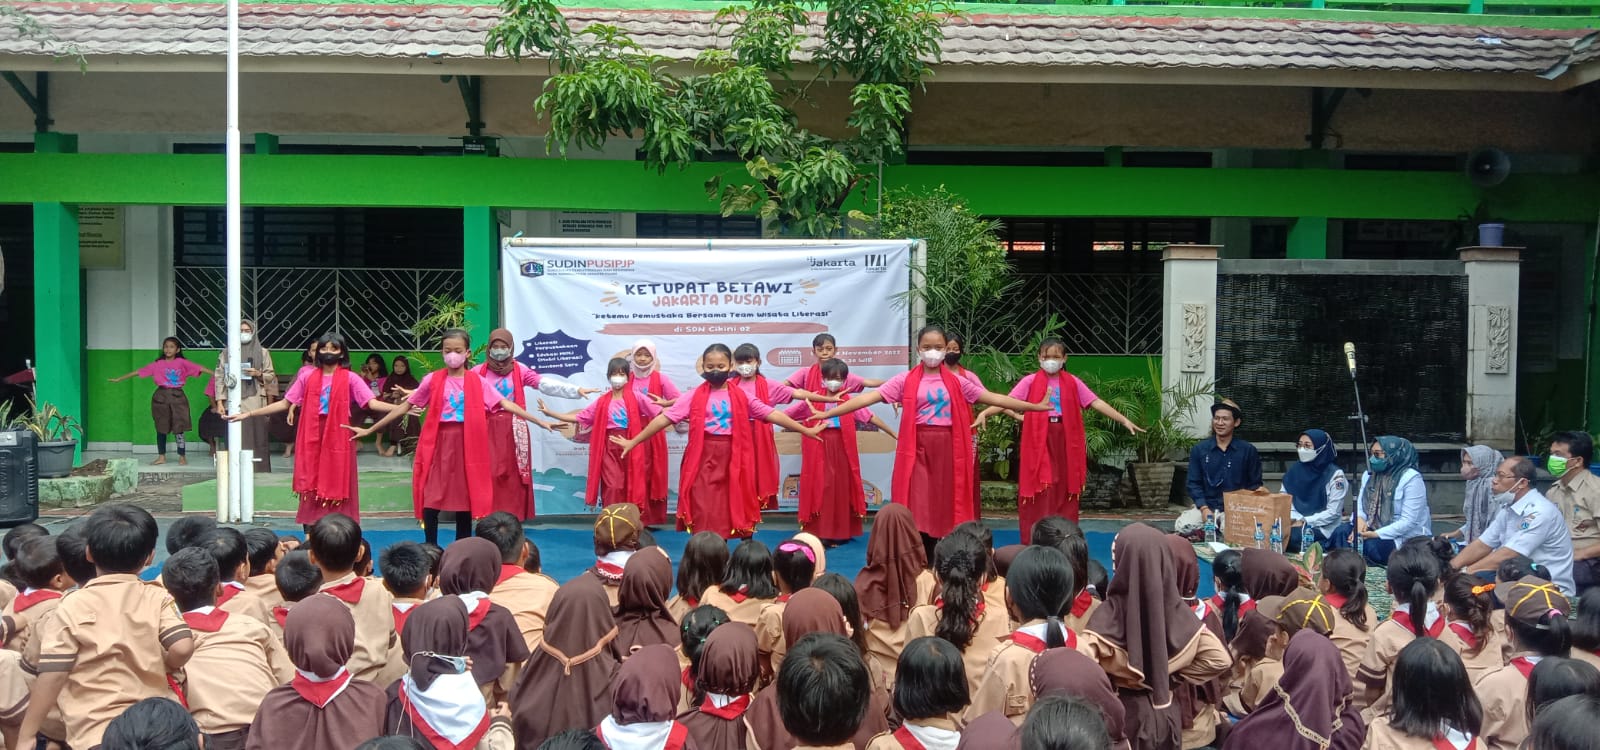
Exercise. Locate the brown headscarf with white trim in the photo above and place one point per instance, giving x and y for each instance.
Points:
(729, 667)
(642, 616)
(566, 683)
(320, 636)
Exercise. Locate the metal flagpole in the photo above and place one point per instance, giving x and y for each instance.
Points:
(235, 272)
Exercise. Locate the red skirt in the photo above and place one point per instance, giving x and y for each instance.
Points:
(447, 481)
(511, 494)
(1053, 500)
(841, 494)
(766, 458)
(654, 453)
(933, 490)
(710, 494)
(614, 474)
(313, 508)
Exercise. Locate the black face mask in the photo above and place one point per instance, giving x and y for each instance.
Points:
(952, 359)
(327, 358)
(716, 377)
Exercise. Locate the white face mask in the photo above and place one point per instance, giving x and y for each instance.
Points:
(932, 357)
(833, 385)
(618, 380)
(746, 370)
(1306, 454)
(499, 355)
(1050, 366)
(245, 336)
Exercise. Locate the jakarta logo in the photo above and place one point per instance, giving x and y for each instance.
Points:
(533, 269)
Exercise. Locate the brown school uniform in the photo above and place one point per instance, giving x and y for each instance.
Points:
(265, 588)
(885, 642)
(1352, 641)
(893, 740)
(238, 600)
(112, 640)
(739, 607)
(992, 627)
(1488, 659)
(1504, 695)
(1253, 687)
(527, 596)
(377, 657)
(1372, 677)
(1201, 659)
(1381, 735)
(236, 663)
(1005, 685)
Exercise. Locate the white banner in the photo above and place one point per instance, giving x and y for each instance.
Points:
(577, 305)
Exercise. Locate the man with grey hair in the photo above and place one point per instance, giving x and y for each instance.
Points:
(1527, 524)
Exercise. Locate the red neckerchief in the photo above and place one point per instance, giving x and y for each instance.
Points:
(401, 614)
(1464, 632)
(657, 445)
(1201, 608)
(1037, 645)
(813, 459)
(1403, 619)
(1337, 601)
(281, 614)
(688, 681)
(177, 691)
(784, 598)
(905, 451)
(1082, 603)
(475, 433)
(691, 601)
(739, 596)
(229, 591)
(729, 712)
(327, 453)
(206, 623)
(24, 601)
(1524, 666)
(675, 738)
(638, 484)
(765, 445)
(1440, 743)
(475, 617)
(977, 614)
(319, 693)
(1247, 605)
(1037, 470)
(349, 593)
(744, 505)
(609, 571)
(908, 740)
(439, 741)
(508, 572)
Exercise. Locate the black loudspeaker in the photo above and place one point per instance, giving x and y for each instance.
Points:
(1488, 167)
(19, 478)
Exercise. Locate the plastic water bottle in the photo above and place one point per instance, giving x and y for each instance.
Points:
(1307, 538)
(1277, 535)
(1211, 529)
(1261, 538)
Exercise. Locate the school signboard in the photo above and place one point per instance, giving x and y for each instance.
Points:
(576, 304)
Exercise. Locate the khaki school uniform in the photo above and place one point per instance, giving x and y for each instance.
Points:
(1005, 685)
(1253, 686)
(1080, 623)
(992, 627)
(747, 611)
(887, 740)
(377, 657)
(53, 726)
(885, 642)
(1588, 656)
(111, 641)
(1381, 735)
(527, 596)
(1199, 661)
(1504, 695)
(236, 663)
(1352, 641)
(994, 597)
(1372, 677)
(265, 588)
(25, 624)
(679, 606)
(769, 633)
(1488, 659)
(243, 602)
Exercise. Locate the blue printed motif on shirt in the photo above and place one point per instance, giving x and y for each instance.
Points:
(1055, 398)
(619, 416)
(327, 394)
(504, 387)
(172, 378)
(455, 406)
(719, 418)
(938, 405)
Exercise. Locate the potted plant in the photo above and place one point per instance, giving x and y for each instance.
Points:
(1162, 413)
(57, 433)
(1490, 231)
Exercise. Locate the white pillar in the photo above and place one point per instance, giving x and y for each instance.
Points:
(1189, 322)
(1492, 298)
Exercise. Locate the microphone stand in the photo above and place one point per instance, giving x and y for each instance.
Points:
(1360, 418)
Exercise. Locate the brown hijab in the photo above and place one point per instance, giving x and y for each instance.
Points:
(887, 585)
(647, 687)
(1192, 699)
(1065, 671)
(642, 616)
(438, 626)
(566, 683)
(469, 570)
(1266, 573)
(1186, 566)
(1142, 612)
(991, 731)
(503, 336)
(810, 610)
(729, 666)
(1309, 708)
(320, 636)
(1004, 556)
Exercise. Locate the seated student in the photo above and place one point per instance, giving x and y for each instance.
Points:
(1067, 672)
(1586, 629)
(264, 549)
(894, 581)
(844, 592)
(814, 611)
(1198, 704)
(437, 700)
(1343, 585)
(297, 579)
(364, 561)
(1413, 580)
(154, 723)
(1568, 724)
(38, 566)
(1257, 657)
(567, 680)
(1434, 705)
(705, 560)
(994, 587)
(10, 581)
(82, 652)
(1231, 600)
(697, 626)
(324, 707)
(725, 671)
(823, 691)
(71, 547)
(1036, 595)
(1065, 723)
(522, 590)
(792, 567)
(335, 545)
(747, 586)
(930, 692)
(1310, 709)
(408, 575)
(1099, 581)
(992, 731)
(642, 617)
(468, 570)
(644, 697)
(236, 660)
(1554, 678)
(960, 613)
(1469, 605)
(573, 739)
(1536, 618)
(232, 553)
(616, 538)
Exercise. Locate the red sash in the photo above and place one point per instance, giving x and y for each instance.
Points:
(633, 463)
(907, 740)
(688, 681)
(744, 505)
(349, 593)
(1524, 666)
(177, 692)
(229, 591)
(766, 446)
(439, 741)
(1037, 645)
(1037, 470)
(281, 614)
(1465, 633)
(319, 693)
(1082, 603)
(1247, 605)
(658, 443)
(1403, 619)
(24, 601)
(476, 434)
(206, 623)
(508, 572)
(729, 712)
(1440, 743)
(327, 454)
(813, 473)
(905, 450)
(400, 616)
(480, 611)
(1337, 601)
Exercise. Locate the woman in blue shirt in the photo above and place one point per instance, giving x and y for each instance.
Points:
(1392, 505)
(1318, 486)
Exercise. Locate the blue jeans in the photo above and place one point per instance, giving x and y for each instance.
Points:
(1376, 551)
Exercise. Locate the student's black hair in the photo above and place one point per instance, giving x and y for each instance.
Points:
(718, 348)
(823, 690)
(534, 564)
(916, 341)
(191, 576)
(930, 681)
(823, 338)
(1555, 678)
(1064, 722)
(833, 369)
(958, 561)
(1076, 548)
(121, 537)
(1551, 637)
(1413, 576)
(72, 546)
(297, 577)
(1228, 567)
(406, 568)
(844, 592)
(152, 724)
(1345, 570)
(985, 536)
(647, 539)
(334, 338)
(505, 531)
(1040, 587)
(398, 358)
(1099, 578)
(336, 540)
(456, 333)
(792, 566)
(1438, 546)
(704, 563)
(1518, 567)
(1567, 724)
(229, 548)
(308, 353)
(750, 571)
(746, 352)
(175, 342)
(1050, 530)
(188, 531)
(696, 628)
(436, 553)
(1431, 689)
(1586, 626)
(1050, 341)
(618, 366)
(37, 562)
(383, 367)
(262, 546)
(573, 739)
(1472, 608)
(1579, 444)
(364, 561)
(395, 742)
(12, 543)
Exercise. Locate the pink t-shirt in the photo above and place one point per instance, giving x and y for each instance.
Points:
(797, 379)
(719, 413)
(619, 413)
(170, 373)
(641, 387)
(1085, 396)
(502, 384)
(360, 393)
(455, 398)
(933, 401)
(777, 393)
(802, 411)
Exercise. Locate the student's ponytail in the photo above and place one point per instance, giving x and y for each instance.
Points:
(1228, 567)
(959, 561)
(1469, 598)
(1054, 633)
(1413, 577)
(1346, 573)
(1418, 597)
(1559, 641)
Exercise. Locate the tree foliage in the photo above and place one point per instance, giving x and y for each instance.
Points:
(742, 100)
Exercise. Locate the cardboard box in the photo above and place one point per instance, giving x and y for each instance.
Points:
(1244, 508)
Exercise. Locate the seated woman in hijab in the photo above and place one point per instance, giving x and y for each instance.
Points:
(1310, 709)
(438, 701)
(729, 666)
(1478, 464)
(642, 616)
(324, 707)
(1392, 505)
(645, 698)
(1319, 489)
(566, 683)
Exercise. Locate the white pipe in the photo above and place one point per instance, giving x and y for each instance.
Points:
(222, 486)
(919, 283)
(558, 242)
(247, 488)
(235, 264)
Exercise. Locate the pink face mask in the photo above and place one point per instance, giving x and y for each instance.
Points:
(1469, 472)
(454, 360)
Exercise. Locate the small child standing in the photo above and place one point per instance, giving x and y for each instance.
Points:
(169, 405)
(832, 501)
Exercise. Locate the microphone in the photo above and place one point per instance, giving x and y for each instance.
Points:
(1350, 356)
